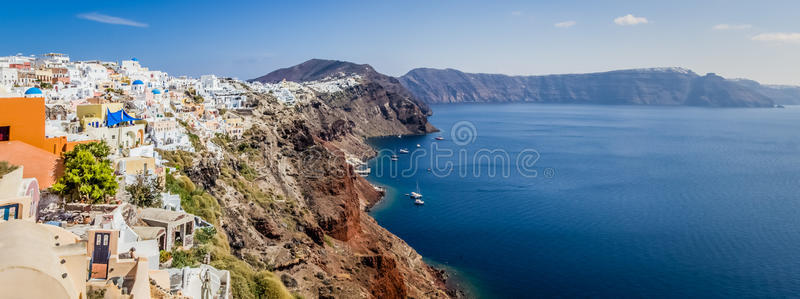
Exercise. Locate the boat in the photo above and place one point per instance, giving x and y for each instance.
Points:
(403, 151)
(394, 157)
(363, 171)
(416, 195)
(419, 202)
(399, 136)
(418, 145)
(439, 138)
(779, 106)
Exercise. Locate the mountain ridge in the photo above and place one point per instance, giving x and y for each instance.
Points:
(668, 86)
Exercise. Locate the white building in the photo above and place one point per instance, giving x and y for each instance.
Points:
(8, 76)
(209, 82)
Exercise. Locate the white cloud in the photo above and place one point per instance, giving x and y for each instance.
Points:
(565, 24)
(629, 20)
(781, 37)
(732, 26)
(93, 16)
(516, 13)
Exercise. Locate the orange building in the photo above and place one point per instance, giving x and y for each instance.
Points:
(22, 140)
(22, 119)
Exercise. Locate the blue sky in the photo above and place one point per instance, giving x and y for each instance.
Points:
(751, 39)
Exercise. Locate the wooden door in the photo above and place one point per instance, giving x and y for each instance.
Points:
(100, 255)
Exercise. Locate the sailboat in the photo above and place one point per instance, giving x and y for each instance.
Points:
(416, 195)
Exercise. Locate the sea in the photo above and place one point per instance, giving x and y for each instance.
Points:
(546, 200)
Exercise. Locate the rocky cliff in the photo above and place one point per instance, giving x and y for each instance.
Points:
(781, 94)
(658, 86)
(290, 203)
(316, 69)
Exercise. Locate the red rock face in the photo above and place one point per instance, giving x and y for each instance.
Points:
(331, 189)
(388, 282)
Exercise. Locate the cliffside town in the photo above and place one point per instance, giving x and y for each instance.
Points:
(222, 188)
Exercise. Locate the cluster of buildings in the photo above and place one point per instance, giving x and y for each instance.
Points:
(100, 251)
(125, 104)
(49, 105)
(291, 93)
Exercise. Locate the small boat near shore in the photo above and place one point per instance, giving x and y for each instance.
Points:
(394, 157)
(363, 171)
(403, 151)
(439, 138)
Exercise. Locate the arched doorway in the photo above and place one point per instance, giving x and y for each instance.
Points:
(140, 137)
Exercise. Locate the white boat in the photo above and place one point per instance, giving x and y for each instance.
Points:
(416, 195)
(439, 138)
(419, 202)
(363, 171)
(403, 151)
(418, 145)
(394, 157)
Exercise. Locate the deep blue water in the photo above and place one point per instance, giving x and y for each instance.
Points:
(627, 201)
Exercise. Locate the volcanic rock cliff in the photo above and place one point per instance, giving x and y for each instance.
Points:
(290, 203)
(657, 86)
(316, 69)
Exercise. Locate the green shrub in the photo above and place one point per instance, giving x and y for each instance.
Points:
(145, 191)
(205, 234)
(177, 159)
(164, 256)
(182, 259)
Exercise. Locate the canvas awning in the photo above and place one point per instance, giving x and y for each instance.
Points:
(113, 118)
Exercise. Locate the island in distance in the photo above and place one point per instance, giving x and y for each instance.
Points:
(653, 86)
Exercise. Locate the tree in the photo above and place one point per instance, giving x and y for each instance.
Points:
(146, 191)
(100, 150)
(88, 177)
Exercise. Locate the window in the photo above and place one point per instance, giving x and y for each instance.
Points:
(9, 211)
(4, 133)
